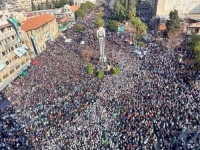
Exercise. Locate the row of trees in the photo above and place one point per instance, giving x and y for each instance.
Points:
(100, 73)
(99, 22)
(51, 5)
(84, 8)
(195, 40)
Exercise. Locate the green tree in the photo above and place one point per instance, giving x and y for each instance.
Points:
(112, 25)
(89, 5)
(79, 27)
(33, 6)
(47, 4)
(99, 22)
(101, 9)
(90, 70)
(131, 14)
(83, 6)
(141, 44)
(80, 13)
(173, 24)
(38, 7)
(115, 70)
(100, 14)
(195, 39)
(139, 25)
(100, 74)
(57, 4)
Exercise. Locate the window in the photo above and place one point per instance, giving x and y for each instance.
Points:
(3, 53)
(13, 37)
(5, 76)
(12, 48)
(12, 71)
(15, 57)
(2, 30)
(18, 66)
(15, 46)
(7, 62)
(0, 43)
(0, 80)
(23, 63)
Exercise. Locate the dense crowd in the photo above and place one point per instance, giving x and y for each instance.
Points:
(152, 104)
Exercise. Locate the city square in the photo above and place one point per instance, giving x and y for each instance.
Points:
(152, 104)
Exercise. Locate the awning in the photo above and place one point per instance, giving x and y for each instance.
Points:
(25, 47)
(63, 28)
(20, 51)
(2, 65)
(34, 62)
(24, 73)
(68, 40)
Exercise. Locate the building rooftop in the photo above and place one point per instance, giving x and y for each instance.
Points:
(162, 27)
(36, 22)
(63, 19)
(74, 8)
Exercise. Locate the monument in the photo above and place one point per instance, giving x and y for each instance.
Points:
(101, 34)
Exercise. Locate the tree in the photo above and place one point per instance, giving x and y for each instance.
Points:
(57, 4)
(83, 6)
(47, 4)
(90, 69)
(139, 25)
(112, 25)
(80, 13)
(86, 55)
(79, 27)
(39, 8)
(89, 5)
(115, 70)
(101, 9)
(131, 14)
(195, 38)
(100, 74)
(99, 22)
(173, 24)
(33, 6)
(100, 14)
(141, 44)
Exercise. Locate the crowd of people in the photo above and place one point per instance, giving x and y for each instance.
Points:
(152, 104)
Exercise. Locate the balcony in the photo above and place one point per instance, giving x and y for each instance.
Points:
(6, 34)
(12, 43)
(9, 33)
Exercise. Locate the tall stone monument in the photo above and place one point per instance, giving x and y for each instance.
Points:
(101, 34)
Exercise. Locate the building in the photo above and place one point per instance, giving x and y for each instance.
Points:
(79, 2)
(186, 8)
(14, 54)
(64, 16)
(37, 30)
(23, 5)
(20, 16)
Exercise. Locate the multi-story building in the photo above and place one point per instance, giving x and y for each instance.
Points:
(20, 16)
(65, 14)
(23, 5)
(37, 30)
(79, 2)
(14, 54)
(186, 8)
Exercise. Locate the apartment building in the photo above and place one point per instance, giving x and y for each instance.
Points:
(36, 31)
(5, 14)
(60, 14)
(14, 54)
(23, 5)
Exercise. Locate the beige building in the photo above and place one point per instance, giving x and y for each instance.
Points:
(5, 14)
(186, 8)
(37, 30)
(14, 54)
(65, 16)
